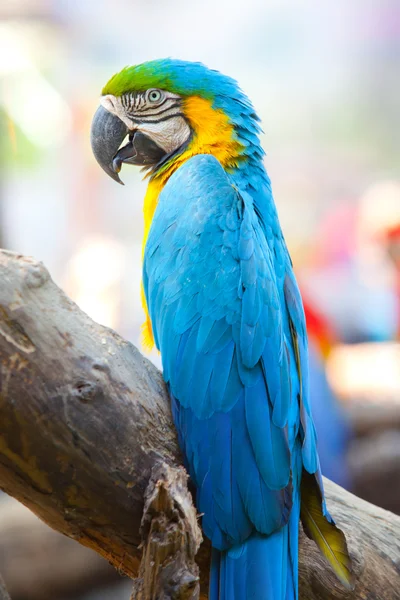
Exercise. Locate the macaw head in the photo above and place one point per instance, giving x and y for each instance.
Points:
(168, 109)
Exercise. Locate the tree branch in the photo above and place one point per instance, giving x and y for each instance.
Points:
(85, 420)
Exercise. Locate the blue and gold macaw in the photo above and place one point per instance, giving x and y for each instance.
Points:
(224, 309)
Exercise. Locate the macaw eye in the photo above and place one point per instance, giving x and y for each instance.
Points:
(154, 95)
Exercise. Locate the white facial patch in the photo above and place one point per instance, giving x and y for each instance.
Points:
(169, 132)
(115, 107)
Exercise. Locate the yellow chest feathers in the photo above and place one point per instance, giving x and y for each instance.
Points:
(212, 134)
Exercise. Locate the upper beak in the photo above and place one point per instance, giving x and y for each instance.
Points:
(107, 134)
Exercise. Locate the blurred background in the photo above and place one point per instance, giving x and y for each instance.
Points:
(324, 77)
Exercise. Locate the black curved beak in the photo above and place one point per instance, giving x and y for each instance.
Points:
(107, 134)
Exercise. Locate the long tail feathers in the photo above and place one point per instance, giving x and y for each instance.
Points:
(266, 568)
(320, 527)
(263, 568)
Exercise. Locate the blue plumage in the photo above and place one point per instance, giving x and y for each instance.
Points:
(228, 319)
(228, 359)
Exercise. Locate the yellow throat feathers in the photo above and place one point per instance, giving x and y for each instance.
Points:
(213, 133)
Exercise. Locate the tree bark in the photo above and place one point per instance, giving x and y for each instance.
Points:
(171, 538)
(85, 421)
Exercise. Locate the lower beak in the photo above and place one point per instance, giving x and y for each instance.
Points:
(107, 134)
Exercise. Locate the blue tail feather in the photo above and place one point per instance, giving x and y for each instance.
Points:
(262, 568)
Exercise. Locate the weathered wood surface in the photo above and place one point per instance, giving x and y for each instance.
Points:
(84, 419)
(171, 539)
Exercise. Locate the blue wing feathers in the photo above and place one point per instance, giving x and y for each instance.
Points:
(233, 387)
(220, 375)
(220, 336)
(295, 311)
(281, 400)
(229, 509)
(186, 313)
(270, 443)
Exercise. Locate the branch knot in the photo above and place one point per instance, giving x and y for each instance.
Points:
(171, 538)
